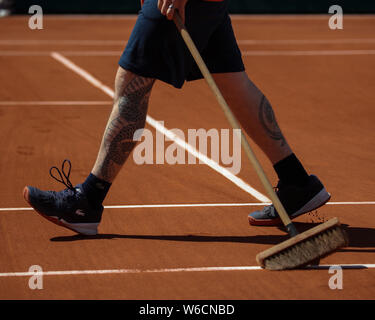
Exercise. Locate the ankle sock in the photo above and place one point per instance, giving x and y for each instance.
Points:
(96, 189)
(290, 171)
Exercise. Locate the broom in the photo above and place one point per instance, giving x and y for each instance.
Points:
(301, 249)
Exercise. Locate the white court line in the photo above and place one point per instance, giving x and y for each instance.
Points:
(170, 270)
(92, 53)
(47, 17)
(272, 17)
(307, 52)
(192, 205)
(196, 205)
(12, 53)
(25, 42)
(246, 53)
(306, 41)
(23, 53)
(55, 103)
(172, 136)
(84, 74)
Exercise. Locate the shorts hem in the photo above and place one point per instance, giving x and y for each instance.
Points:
(129, 67)
(198, 77)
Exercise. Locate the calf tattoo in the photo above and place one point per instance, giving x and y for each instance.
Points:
(268, 120)
(126, 119)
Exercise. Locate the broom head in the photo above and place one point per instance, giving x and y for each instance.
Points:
(305, 248)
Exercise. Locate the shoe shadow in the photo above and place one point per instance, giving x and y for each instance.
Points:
(360, 239)
(263, 239)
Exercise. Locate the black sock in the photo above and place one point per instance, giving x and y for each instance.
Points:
(96, 189)
(290, 171)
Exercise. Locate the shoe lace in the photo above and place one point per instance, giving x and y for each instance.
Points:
(63, 177)
(270, 210)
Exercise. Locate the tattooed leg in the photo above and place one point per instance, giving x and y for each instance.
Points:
(255, 114)
(268, 121)
(128, 115)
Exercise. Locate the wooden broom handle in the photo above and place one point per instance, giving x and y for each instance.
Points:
(232, 120)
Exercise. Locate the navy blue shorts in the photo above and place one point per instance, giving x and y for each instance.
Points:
(156, 50)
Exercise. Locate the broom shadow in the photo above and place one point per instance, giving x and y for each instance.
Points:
(359, 238)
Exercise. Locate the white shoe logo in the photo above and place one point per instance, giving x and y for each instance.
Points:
(80, 213)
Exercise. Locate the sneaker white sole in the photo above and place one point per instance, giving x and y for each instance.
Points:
(316, 202)
(320, 199)
(88, 229)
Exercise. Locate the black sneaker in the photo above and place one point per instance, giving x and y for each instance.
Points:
(69, 208)
(296, 200)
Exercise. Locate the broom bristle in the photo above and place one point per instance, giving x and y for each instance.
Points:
(306, 249)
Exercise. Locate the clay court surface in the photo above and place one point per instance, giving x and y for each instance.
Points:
(181, 231)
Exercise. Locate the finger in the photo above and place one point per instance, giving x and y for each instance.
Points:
(165, 6)
(181, 11)
(180, 8)
(170, 12)
(160, 3)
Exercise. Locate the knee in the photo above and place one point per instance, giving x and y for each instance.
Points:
(128, 83)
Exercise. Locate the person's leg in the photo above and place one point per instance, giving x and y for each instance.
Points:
(258, 119)
(128, 115)
(80, 207)
(129, 112)
(299, 192)
(154, 50)
(254, 112)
